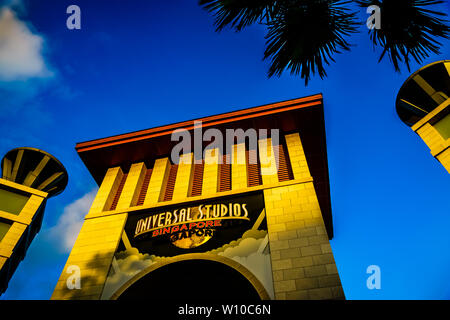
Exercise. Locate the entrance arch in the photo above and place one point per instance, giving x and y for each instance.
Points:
(198, 276)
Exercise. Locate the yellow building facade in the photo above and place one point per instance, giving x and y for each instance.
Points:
(211, 226)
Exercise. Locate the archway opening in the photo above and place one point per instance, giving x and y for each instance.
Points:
(198, 280)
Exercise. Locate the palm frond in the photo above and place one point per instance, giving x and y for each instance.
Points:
(239, 13)
(408, 30)
(304, 35)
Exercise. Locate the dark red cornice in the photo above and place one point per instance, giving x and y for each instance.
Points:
(210, 121)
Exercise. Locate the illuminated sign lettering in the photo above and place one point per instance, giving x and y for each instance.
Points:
(188, 226)
(199, 217)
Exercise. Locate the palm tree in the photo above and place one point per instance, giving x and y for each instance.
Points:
(303, 35)
(407, 30)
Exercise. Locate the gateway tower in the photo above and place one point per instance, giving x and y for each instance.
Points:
(243, 217)
(29, 177)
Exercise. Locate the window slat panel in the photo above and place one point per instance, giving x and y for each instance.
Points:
(198, 179)
(225, 174)
(171, 182)
(253, 169)
(284, 168)
(119, 192)
(144, 188)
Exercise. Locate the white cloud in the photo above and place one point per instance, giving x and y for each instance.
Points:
(66, 230)
(248, 253)
(126, 264)
(21, 55)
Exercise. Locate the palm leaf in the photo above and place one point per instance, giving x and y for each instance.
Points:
(238, 13)
(304, 35)
(408, 30)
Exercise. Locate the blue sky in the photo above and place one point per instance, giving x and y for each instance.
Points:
(138, 64)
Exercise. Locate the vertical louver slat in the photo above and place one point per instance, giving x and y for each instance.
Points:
(225, 174)
(144, 187)
(171, 182)
(198, 179)
(284, 168)
(119, 192)
(253, 168)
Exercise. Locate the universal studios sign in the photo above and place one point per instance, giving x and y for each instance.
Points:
(192, 225)
(197, 217)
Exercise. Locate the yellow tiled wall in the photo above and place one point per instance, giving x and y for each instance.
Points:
(439, 147)
(19, 223)
(92, 253)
